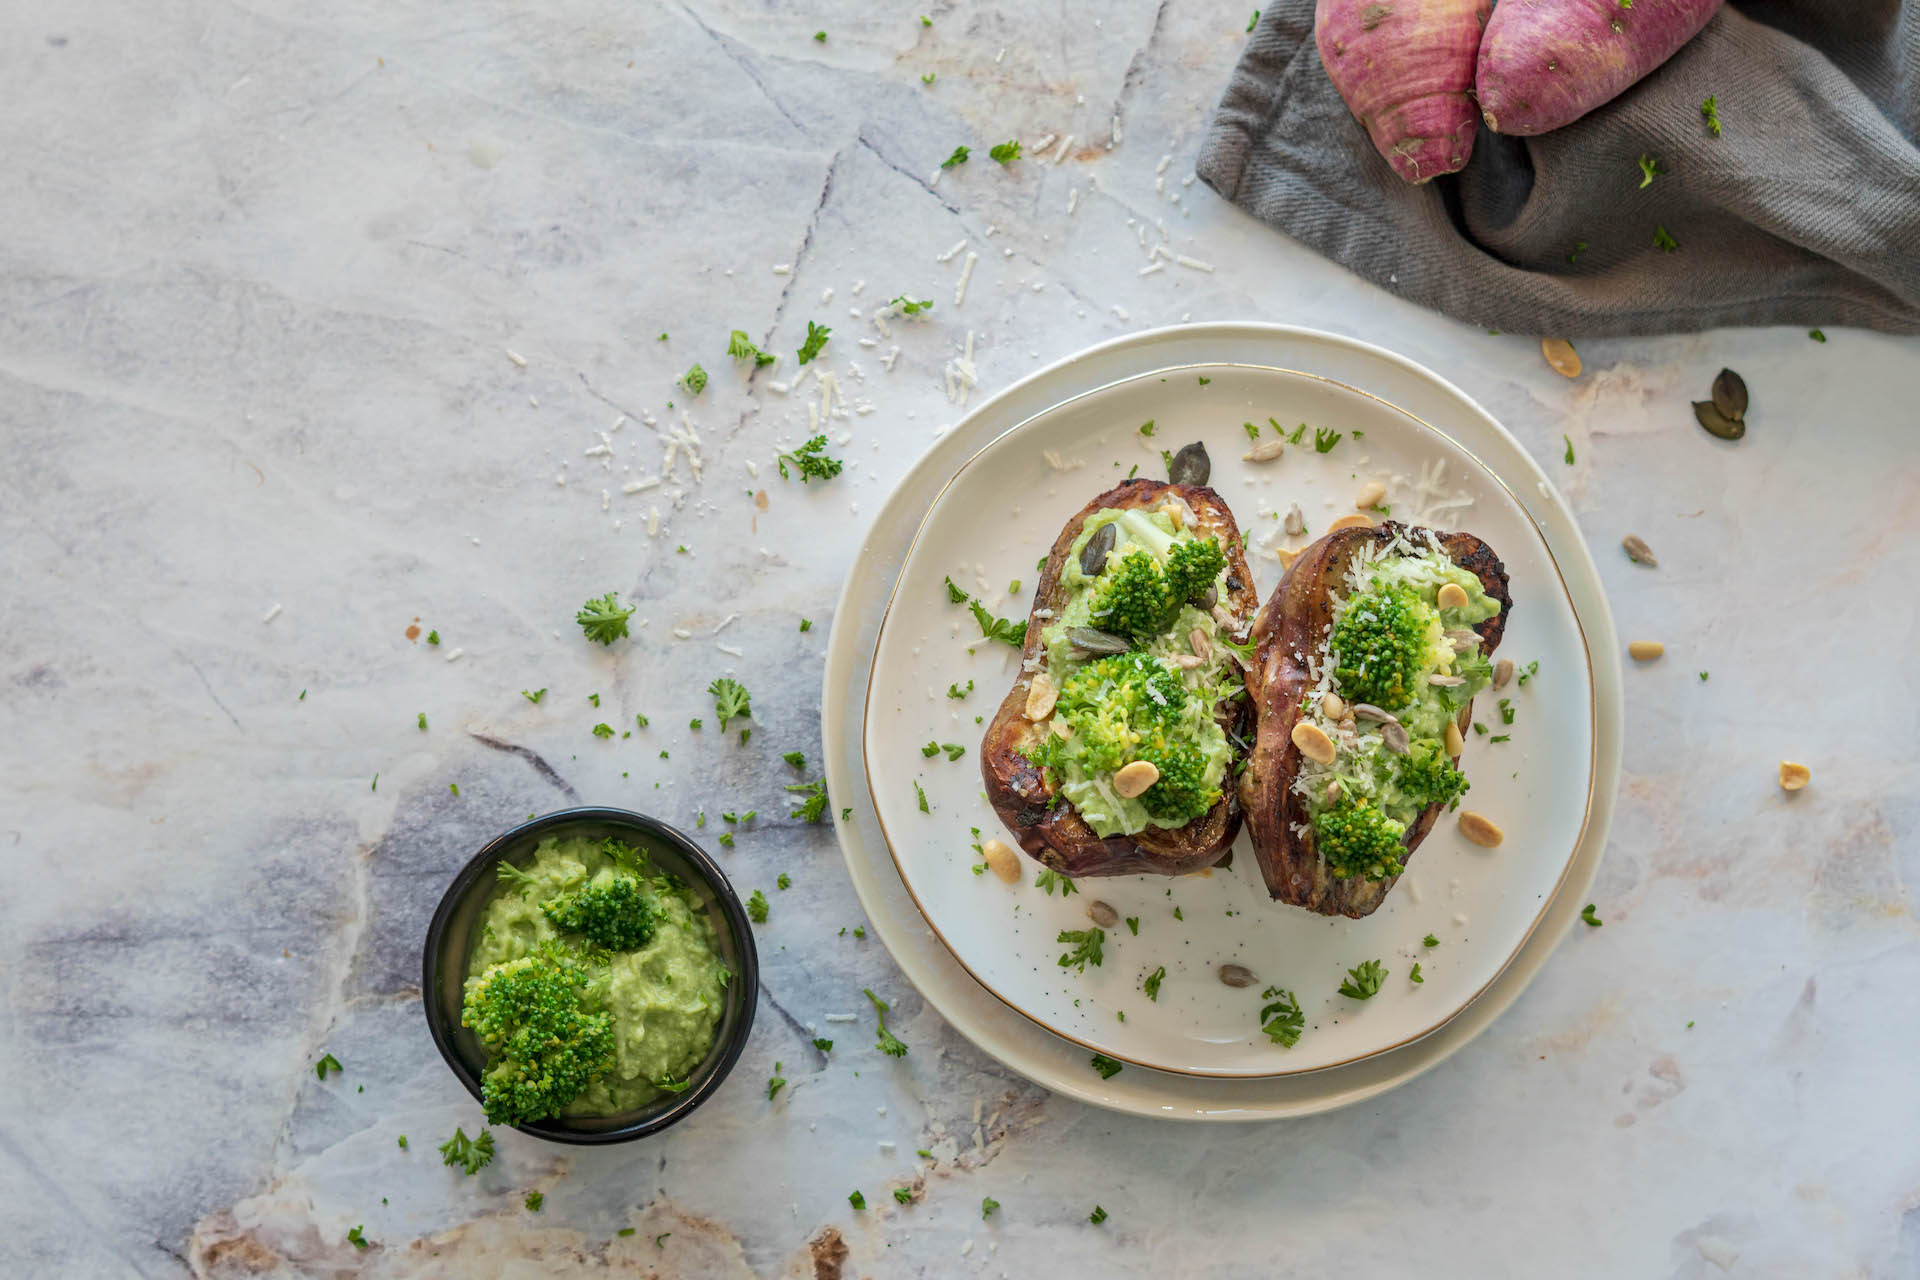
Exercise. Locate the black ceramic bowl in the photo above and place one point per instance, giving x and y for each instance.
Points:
(450, 939)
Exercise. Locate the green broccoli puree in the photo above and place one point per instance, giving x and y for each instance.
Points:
(1389, 639)
(665, 995)
(1140, 705)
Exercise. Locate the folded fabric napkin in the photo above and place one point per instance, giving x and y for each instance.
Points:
(1804, 209)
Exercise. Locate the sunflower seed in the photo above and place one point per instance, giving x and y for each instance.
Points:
(1638, 551)
(1393, 736)
(1730, 395)
(1367, 711)
(1295, 524)
(1237, 975)
(1102, 914)
(1446, 682)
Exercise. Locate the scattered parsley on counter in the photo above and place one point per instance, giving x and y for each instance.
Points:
(326, 1064)
(1133, 925)
(959, 156)
(811, 460)
(987, 1205)
(594, 698)
(356, 1239)
(1815, 334)
(603, 730)
(641, 720)
(1049, 879)
(1282, 1020)
(953, 749)
(1152, 985)
(376, 783)
(433, 637)
(1710, 112)
(903, 1195)
(403, 1142)
(1586, 914)
(536, 1200)
(757, 906)
(918, 791)
(730, 699)
(908, 307)
(471, 1154)
(1006, 152)
(817, 335)
(1324, 438)
(815, 803)
(859, 931)
(627, 1231)
(821, 36)
(823, 1044)
(1177, 915)
(1363, 980)
(776, 1083)
(1098, 1216)
(1430, 941)
(741, 347)
(726, 839)
(1649, 166)
(806, 624)
(927, 78)
(784, 882)
(1415, 975)
(534, 696)
(888, 1043)
(1569, 440)
(1106, 1066)
(1663, 241)
(930, 750)
(603, 620)
(955, 691)
(695, 380)
(795, 758)
(1703, 677)
(1088, 948)
(421, 719)
(857, 1200)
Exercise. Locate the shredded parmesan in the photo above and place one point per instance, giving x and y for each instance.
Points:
(966, 274)
(952, 253)
(272, 613)
(1061, 153)
(731, 651)
(516, 357)
(1193, 263)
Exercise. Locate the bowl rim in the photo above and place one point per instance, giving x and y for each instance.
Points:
(748, 976)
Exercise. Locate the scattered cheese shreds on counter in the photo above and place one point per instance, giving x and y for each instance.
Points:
(515, 356)
(272, 613)
(1065, 144)
(966, 274)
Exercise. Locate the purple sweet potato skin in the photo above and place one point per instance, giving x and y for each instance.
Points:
(1545, 63)
(1405, 70)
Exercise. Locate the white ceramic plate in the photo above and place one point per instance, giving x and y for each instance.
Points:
(1022, 1045)
(1002, 509)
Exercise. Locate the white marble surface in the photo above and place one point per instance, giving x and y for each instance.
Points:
(261, 264)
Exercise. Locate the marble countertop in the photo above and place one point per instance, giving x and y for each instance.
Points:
(263, 269)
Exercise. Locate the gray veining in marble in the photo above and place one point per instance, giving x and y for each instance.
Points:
(261, 266)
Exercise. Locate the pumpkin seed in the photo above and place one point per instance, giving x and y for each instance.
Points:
(1237, 975)
(1717, 423)
(1730, 395)
(1191, 465)
(1638, 551)
(1093, 640)
(1093, 556)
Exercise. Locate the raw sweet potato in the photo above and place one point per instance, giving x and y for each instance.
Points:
(1405, 70)
(1545, 63)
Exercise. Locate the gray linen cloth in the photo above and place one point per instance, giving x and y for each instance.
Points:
(1804, 210)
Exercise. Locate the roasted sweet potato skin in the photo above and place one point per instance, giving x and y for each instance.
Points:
(1290, 630)
(1053, 833)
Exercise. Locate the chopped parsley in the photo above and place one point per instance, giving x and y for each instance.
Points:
(1710, 112)
(740, 347)
(1506, 711)
(1430, 941)
(659, 1241)
(1177, 915)
(326, 1064)
(603, 730)
(627, 1231)
(1324, 438)
(1663, 241)
(812, 807)
(930, 750)
(797, 759)
(1415, 975)
(1106, 1066)
(403, 1142)
(1254, 20)
(756, 905)
(1703, 677)
(536, 1200)
(454, 787)
(433, 637)
(811, 460)
(603, 620)
(987, 1205)
(1297, 433)
(534, 696)
(1152, 985)
(471, 1154)
(903, 1195)
(1087, 948)
(784, 881)
(857, 1200)
(1204, 381)
(1253, 432)
(1649, 166)
(1009, 631)
(959, 156)
(1282, 1020)
(1569, 440)
(695, 380)
(1531, 670)
(1049, 879)
(1133, 925)
(775, 1083)
(821, 36)
(817, 335)
(1586, 914)
(695, 723)
(908, 307)
(358, 1240)
(953, 749)
(1146, 428)
(1815, 334)
(823, 1044)
(1013, 588)
(726, 839)
(955, 691)
(888, 1043)
(918, 791)
(1363, 980)
(1005, 152)
(730, 699)
(1579, 247)
(1098, 1216)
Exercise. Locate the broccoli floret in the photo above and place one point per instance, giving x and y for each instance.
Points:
(1181, 795)
(1356, 839)
(612, 911)
(544, 1047)
(1428, 776)
(1382, 644)
(1137, 597)
(1192, 567)
(1116, 704)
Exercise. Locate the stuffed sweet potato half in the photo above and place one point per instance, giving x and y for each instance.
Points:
(1113, 753)
(1368, 656)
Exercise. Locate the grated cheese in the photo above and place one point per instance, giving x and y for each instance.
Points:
(455, 655)
(731, 651)
(272, 613)
(515, 356)
(1061, 154)
(1121, 311)
(783, 268)
(966, 274)
(1073, 198)
(952, 253)
(641, 485)
(1193, 263)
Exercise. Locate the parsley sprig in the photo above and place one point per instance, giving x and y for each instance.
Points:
(741, 347)
(811, 460)
(1088, 947)
(1363, 980)
(1282, 1019)
(817, 335)
(603, 620)
(730, 699)
(888, 1043)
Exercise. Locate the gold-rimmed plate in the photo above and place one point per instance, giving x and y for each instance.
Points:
(1533, 769)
